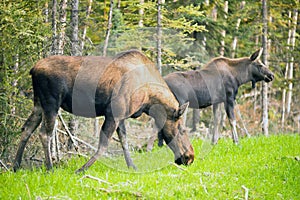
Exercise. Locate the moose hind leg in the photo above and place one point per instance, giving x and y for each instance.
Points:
(121, 130)
(108, 128)
(28, 128)
(46, 135)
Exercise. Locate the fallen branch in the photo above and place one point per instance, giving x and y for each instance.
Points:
(240, 116)
(3, 165)
(246, 192)
(116, 139)
(79, 140)
(68, 131)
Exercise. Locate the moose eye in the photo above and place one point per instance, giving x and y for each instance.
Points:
(259, 67)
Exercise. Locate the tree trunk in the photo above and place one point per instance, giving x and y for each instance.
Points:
(119, 4)
(291, 62)
(75, 51)
(223, 32)
(141, 13)
(88, 11)
(14, 83)
(54, 28)
(235, 39)
(62, 26)
(255, 89)
(108, 29)
(286, 73)
(159, 35)
(265, 119)
(57, 49)
(46, 13)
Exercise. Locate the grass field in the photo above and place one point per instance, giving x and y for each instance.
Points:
(258, 168)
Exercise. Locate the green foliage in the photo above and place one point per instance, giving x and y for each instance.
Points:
(268, 167)
(22, 40)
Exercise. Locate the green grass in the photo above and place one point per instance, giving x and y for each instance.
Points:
(268, 167)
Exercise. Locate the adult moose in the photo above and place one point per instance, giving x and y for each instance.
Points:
(216, 83)
(118, 88)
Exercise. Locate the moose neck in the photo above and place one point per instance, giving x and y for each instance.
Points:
(162, 95)
(240, 70)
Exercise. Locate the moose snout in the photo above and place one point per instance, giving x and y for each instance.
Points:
(269, 77)
(187, 158)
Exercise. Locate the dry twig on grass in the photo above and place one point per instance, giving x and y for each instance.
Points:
(96, 179)
(246, 192)
(204, 186)
(136, 194)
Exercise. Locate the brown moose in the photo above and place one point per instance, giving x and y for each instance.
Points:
(216, 83)
(119, 88)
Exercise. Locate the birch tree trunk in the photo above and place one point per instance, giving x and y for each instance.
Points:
(54, 28)
(286, 73)
(14, 82)
(62, 26)
(265, 118)
(108, 29)
(159, 35)
(255, 89)
(235, 39)
(75, 50)
(119, 4)
(58, 48)
(141, 13)
(46, 13)
(88, 11)
(291, 63)
(223, 33)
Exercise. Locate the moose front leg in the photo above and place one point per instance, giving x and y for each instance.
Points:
(121, 130)
(108, 128)
(229, 107)
(216, 112)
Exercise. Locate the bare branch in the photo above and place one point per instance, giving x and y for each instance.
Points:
(79, 140)
(96, 179)
(67, 130)
(3, 165)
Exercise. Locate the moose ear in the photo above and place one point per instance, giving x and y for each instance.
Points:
(181, 110)
(256, 55)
